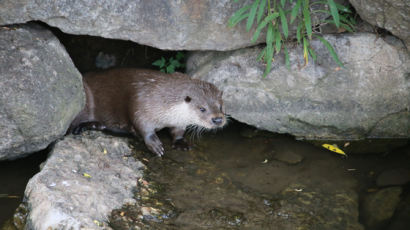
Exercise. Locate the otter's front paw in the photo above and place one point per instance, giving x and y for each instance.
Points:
(181, 144)
(154, 144)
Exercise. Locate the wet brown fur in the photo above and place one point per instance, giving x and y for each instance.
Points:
(144, 101)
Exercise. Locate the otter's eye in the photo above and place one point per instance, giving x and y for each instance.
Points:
(202, 109)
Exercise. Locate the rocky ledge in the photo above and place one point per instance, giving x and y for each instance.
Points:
(84, 178)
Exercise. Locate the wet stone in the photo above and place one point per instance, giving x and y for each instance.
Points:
(380, 206)
(398, 176)
(288, 157)
(308, 207)
(150, 211)
(401, 219)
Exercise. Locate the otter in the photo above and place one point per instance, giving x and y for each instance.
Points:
(141, 101)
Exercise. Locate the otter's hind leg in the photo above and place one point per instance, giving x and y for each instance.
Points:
(178, 140)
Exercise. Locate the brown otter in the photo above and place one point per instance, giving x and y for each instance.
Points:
(145, 101)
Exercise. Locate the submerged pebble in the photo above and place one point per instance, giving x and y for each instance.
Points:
(288, 157)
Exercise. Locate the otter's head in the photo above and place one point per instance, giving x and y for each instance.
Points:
(205, 101)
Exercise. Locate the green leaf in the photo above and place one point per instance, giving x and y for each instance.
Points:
(269, 49)
(284, 22)
(179, 56)
(295, 11)
(287, 61)
(305, 51)
(252, 15)
(238, 16)
(261, 11)
(278, 40)
(312, 53)
(261, 54)
(160, 62)
(170, 69)
(175, 63)
(343, 8)
(306, 15)
(343, 25)
(240, 19)
(157, 63)
(262, 25)
(348, 20)
(282, 3)
(331, 50)
(334, 12)
(298, 32)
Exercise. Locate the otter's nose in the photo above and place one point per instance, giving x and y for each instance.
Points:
(217, 120)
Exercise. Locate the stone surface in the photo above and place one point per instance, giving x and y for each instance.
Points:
(41, 90)
(392, 15)
(84, 178)
(288, 157)
(370, 97)
(398, 176)
(175, 25)
(401, 218)
(305, 207)
(379, 207)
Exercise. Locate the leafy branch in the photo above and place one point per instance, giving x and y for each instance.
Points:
(171, 64)
(272, 16)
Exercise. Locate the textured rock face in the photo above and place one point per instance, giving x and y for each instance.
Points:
(164, 24)
(83, 179)
(392, 15)
(41, 90)
(193, 24)
(370, 97)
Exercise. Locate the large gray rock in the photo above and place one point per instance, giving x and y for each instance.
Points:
(41, 90)
(370, 97)
(392, 15)
(163, 24)
(84, 178)
(175, 25)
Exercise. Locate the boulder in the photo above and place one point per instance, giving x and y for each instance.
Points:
(401, 218)
(84, 178)
(368, 98)
(392, 15)
(395, 176)
(380, 206)
(174, 25)
(41, 90)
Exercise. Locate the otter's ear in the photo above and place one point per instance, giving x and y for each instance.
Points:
(187, 99)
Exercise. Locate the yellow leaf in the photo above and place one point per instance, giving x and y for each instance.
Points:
(334, 149)
(98, 223)
(87, 175)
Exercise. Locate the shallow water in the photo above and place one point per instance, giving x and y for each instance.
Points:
(239, 178)
(231, 181)
(14, 176)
